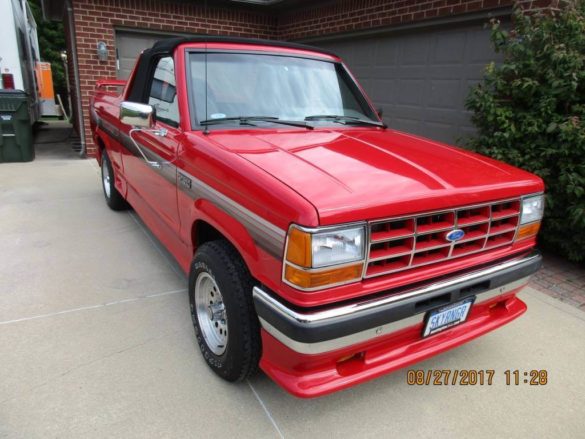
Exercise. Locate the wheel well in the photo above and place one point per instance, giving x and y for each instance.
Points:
(101, 146)
(203, 232)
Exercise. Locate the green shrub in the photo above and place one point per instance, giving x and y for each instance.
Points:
(530, 112)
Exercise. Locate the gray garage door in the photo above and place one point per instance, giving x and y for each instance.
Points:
(421, 78)
(128, 47)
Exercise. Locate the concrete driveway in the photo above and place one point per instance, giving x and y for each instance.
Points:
(96, 341)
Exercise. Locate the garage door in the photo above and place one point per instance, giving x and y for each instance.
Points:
(128, 47)
(421, 79)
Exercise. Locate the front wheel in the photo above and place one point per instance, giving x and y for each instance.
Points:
(113, 198)
(222, 309)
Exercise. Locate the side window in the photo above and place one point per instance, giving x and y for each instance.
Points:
(163, 92)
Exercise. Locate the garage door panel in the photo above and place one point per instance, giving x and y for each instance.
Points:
(413, 72)
(449, 48)
(125, 66)
(470, 83)
(129, 45)
(386, 88)
(363, 56)
(438, 130)
(443, 115)
(386, 54)
(410, 92)
(399, 112)
(477, 48)
(421, 79)
(442, 92)
(406, 125)
(467, 132)
(413, 53)
(453, 71)
(383, 73)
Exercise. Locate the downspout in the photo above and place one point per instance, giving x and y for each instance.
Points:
(76, 76)
(68, 84)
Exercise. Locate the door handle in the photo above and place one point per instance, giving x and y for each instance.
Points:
(162, 133)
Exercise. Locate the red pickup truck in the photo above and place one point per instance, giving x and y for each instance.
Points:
(321, 246)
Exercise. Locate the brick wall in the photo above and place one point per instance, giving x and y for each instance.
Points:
(354, 15)
(96, 20)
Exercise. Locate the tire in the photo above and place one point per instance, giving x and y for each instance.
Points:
(218, 268)
(113, 198)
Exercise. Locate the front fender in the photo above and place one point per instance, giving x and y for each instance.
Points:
(228, 226)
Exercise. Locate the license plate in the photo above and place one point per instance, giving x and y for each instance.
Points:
(447, 316)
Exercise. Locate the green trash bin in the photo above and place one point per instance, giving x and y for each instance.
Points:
(16, 137)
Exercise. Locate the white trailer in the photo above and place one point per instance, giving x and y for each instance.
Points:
(19, 52)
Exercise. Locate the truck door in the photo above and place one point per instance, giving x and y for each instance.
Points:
(150, 163)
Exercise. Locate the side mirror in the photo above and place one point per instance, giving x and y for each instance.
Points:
(380, 112)
(137, 115)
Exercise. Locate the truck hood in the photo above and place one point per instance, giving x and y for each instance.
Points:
(357, 174)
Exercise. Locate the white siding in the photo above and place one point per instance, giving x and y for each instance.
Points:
(10, 15)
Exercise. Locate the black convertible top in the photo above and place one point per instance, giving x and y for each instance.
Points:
(168, 45)
(146, 62)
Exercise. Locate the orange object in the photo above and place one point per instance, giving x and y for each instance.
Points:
(45, 80)
(313, 279)
(528, 230)
(299, 248)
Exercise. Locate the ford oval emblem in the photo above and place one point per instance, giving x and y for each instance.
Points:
(455, 235)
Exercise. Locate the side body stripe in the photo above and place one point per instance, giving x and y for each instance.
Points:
(265, 234)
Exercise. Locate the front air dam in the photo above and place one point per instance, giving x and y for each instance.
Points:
(309, 376)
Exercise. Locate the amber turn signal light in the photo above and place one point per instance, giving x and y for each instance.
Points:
(298, 250)
(528, 230)
(313, 279)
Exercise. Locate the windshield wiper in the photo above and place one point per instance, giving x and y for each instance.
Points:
(248, 119)
(346, 120)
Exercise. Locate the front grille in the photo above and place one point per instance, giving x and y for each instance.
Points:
(398, 244)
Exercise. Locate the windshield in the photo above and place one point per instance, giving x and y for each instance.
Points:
(284, 87)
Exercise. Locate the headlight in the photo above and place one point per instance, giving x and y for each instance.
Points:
(317, 258)
(338, 247)
(532, 209)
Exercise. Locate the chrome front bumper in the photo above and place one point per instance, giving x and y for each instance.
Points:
(316, 332)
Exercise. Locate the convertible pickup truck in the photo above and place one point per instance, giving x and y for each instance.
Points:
(322, 246)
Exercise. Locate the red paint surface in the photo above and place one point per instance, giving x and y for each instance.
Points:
(308, 376)
(329, 175)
